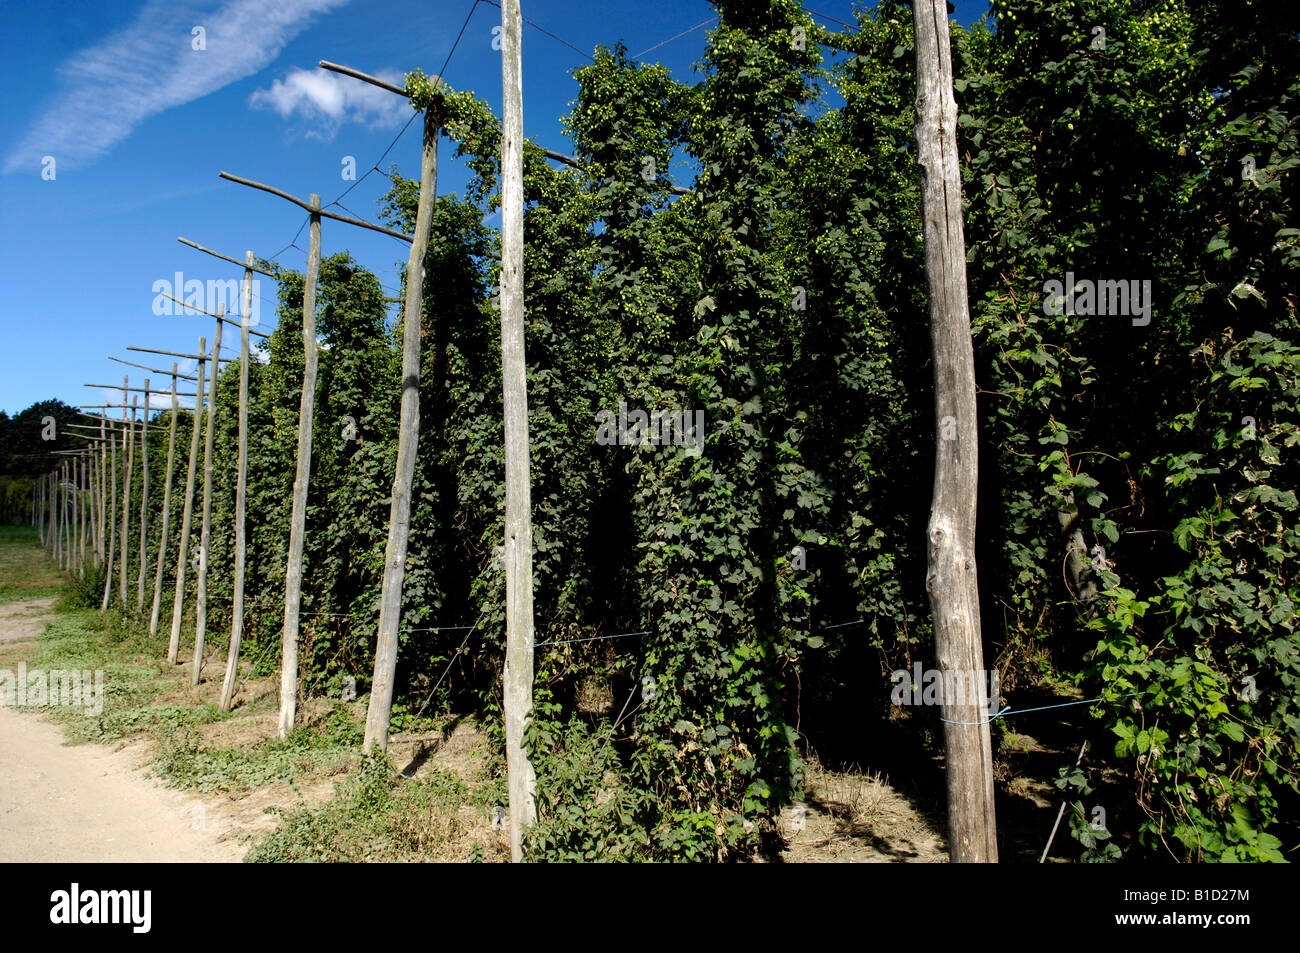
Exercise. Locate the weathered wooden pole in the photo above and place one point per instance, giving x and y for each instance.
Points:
(241, 484)
(56, 500)
(104, 443)
(205, 529)
(52, 479)
(92, 500)
(399, 517)
(70, 497)
(70, 515)
(60, 505)
(61, 498)
(112, 516)
(92, 513)
(155, 610)
(951, 575)
(297, 524)
(83, 484)
(187, 513)
(518, 693)
(70, 490)
(128, 455)
(144, 502)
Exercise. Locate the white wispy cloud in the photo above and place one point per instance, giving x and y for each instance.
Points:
(158, 399)
(327, 100)
(108, 89)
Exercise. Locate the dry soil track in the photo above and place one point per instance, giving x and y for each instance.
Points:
(89, 802)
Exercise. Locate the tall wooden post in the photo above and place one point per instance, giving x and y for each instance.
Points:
(144, 501)
(399, 518)
(69, 515)
(205, 529)
(104, 443)
(297, 526)
(83, 484)
(128, 455)
(187, 511)
(53, 480)
(60, 505)
(166, 516)
(92, 497)
(111, 514)
(61, 501)
(951, 575)
(241, 484)
(52, 496)
(518, 695)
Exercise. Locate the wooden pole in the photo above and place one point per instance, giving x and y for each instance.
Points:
(61, 496)
(518, 693)
(156, 370)
(111, 515)
(192, 357)
(70, 508)
(69, 515)
(66, 515)
(221, 317)
(103, 489)
(59, 518)
(297, 525)
(205, 530)
(241, 485)
(314, 208)
(128, 455)
(54, 514)
(187, 515)
(96, 453)
(399, 518)
(951, 576)
(83, 483)
(70, 498)
(91, 557)
(246, 264)
(166, 515)
(144, 502)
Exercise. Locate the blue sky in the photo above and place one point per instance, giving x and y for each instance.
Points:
(139, 123)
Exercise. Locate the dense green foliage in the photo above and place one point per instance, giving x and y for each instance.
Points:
(1138, 513)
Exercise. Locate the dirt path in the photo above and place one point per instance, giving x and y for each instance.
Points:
(87, 802)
